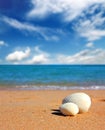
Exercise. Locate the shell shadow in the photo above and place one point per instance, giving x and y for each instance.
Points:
(102, 100)
(56, 112)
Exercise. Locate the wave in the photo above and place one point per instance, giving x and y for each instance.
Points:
(53, 87)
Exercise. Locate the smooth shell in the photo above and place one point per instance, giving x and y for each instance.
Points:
(69, 109)
(82, 100)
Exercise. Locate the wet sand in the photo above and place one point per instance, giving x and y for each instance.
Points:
(39, 110)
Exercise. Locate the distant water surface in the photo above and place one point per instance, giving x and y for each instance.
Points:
(52, 76)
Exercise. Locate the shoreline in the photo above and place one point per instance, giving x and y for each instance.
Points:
(51, 87)
(39, 109)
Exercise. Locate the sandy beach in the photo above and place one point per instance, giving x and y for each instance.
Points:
(39, 110)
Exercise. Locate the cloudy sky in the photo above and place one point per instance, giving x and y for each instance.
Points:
(52, 31)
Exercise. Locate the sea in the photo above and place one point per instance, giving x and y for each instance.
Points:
(52, 77)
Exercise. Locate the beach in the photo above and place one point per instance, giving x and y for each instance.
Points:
(39, 110)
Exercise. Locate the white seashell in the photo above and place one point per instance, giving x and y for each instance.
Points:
(69, 109)
(82, 100)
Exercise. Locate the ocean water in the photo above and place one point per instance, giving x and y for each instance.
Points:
(52, 76)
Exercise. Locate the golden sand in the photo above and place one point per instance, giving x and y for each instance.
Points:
(39, 110)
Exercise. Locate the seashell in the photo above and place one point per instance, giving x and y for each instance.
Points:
(69, 109)
(82, 100)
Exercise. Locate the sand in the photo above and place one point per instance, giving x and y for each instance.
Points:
(39, 110)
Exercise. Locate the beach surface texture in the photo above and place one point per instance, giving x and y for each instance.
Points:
(39, 110)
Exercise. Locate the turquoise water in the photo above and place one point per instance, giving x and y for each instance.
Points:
(52, 76)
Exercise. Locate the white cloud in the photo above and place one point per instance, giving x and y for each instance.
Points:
(39, 51)
(18, 55)
(19, 25)
(69, 8)
(40, 57)
(93, 35)
(2, 43)
(46, 33)
(91, 28)
(84, 57)
(90, 45)
(29, 56)
(87, 27)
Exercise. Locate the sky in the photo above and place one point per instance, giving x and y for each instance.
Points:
(52, 32)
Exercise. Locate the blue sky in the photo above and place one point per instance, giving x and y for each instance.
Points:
(52, 32)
